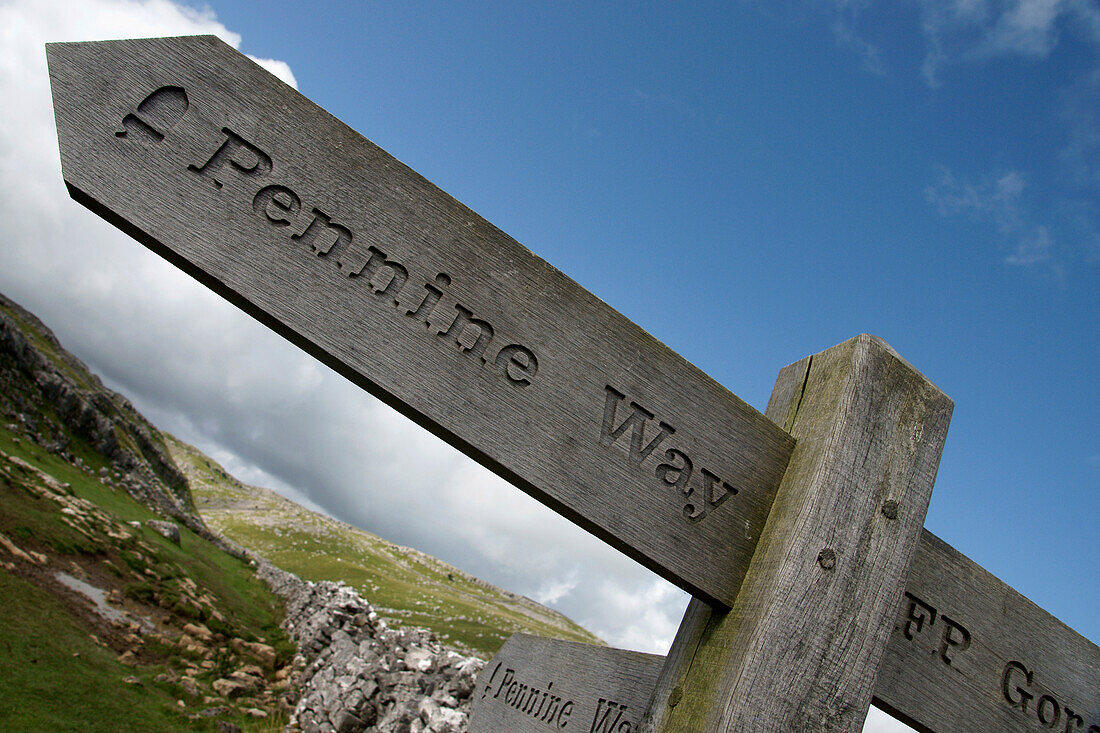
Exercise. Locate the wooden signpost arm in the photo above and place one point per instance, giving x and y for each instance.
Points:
(236, 178)
(800, 648)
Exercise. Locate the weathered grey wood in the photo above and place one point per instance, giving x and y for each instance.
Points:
(968, 653)
(251, 188)
(685, 645)
(948, 675)
(801, 645)
(535, 684)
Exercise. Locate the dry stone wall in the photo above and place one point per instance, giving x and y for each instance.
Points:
(357, 674)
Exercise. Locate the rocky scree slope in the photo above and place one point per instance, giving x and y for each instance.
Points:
(117, 597)
(59, 404)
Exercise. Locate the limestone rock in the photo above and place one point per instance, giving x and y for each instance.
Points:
(356, 674)
(171, 530)
(230, 689)
(190, 688)
(198, 631)
(262, 653)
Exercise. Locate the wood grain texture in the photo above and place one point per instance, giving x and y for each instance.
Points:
(537, 685)
(685, 645)
(248, 186)
(800, 648)
(969, 653)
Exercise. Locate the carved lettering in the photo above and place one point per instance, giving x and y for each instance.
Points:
(916, 615)
(1020, 685)
(463, 328)
(242, 156)
(954, 635)
(155, 116)
(1048, 710)
(1017, 696)
(552, 709)
(518, 363)
(711, 498)
(635, 423)
(540, 704)
(676, 476)
(677, 468)
(280, 205)
(388, 281)
(602, 722)
(489, 684)
(432, 295)
(1073, 720)
(566, 711)
(324, 237)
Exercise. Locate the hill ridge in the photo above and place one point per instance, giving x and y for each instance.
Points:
(279, 530)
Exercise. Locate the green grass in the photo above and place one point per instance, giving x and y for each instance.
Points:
(53, 677)
(43, 686)
(404, 585)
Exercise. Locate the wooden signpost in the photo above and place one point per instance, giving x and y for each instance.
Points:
(237, 178)
(548, 684)
(799, 533)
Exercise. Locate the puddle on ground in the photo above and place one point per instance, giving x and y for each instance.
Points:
(97, 596)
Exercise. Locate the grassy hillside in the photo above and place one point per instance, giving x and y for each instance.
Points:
(404, 585)
(108, 624)
(65, 667)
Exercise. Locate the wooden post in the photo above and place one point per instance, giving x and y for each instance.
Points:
(800, 648)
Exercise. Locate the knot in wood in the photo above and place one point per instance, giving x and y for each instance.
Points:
(890, 509)
(827, 559)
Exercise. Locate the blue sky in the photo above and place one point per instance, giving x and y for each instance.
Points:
(751, 182)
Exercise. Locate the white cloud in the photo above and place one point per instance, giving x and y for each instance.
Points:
(997, 201)
(971, 30)
(551, 560)
(280, 69)
(958, 30)
(869, 54)
(1032, 247)
(1027, 28)
(1080, 156)
(942, 21)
